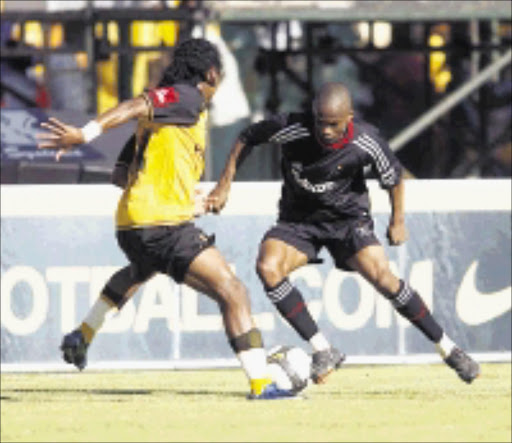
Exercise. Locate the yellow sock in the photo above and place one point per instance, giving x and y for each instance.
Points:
(259, 384)
(87, 332)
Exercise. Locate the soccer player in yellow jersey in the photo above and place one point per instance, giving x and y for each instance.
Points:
(155, 212)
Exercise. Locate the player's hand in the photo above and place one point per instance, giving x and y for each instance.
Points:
(60, 136)
(397, 233)
(199, 202)
(217, 199)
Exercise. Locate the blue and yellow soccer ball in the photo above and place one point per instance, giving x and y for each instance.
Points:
(289, 367)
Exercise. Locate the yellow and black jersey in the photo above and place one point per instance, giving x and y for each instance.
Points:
(168, 159)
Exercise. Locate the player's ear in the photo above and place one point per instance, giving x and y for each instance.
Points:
(212, 77)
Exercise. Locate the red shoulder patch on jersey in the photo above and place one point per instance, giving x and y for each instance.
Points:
(161, 97)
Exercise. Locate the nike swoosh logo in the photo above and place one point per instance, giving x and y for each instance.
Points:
(475, 307)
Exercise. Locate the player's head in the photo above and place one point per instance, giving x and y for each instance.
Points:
(194, 61)
(332, 108)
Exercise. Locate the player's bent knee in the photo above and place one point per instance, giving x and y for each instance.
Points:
(232, 292)
(378, 272)
(269, 272)
(385, 281)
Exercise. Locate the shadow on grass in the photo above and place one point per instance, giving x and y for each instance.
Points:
(7, 398)
(121, 392)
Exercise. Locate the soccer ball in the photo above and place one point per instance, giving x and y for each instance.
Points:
(289, 367)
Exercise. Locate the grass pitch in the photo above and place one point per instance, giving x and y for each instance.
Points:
(358, 403)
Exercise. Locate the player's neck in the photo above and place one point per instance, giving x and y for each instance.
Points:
(206, 91)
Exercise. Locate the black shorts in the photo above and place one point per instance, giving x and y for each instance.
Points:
(341, 238)
(165, 249)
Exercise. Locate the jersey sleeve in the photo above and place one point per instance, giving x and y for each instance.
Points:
(264, 130)
(126, 155)
(382, 159)
(178, 104)
(119, 175)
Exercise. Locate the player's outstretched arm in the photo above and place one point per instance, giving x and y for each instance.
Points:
(200, 202)
(254, 135)
(397, 231)
(63, 137)
(218, 197)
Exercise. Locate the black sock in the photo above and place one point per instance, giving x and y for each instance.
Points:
(113, 297)
(411, 306)
(290, 303)
(244, 342)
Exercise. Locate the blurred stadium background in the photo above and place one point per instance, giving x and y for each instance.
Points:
(405, 61)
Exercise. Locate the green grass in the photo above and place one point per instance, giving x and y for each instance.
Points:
(359, 403)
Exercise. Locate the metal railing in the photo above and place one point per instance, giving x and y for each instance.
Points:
(86, 19)
(441, 108)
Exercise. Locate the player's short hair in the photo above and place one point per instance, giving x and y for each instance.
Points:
(191, 61)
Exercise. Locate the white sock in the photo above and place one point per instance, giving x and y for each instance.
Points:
(254, 363)
(97, 313)
(318, 342)
(445, 346)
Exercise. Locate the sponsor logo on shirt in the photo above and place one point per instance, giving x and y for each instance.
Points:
(318, 188)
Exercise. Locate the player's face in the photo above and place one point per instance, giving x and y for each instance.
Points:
(331, 125)
(218, 76)
(214, 78)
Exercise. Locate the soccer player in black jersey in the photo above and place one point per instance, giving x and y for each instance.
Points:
(163, 162)
(325, 203)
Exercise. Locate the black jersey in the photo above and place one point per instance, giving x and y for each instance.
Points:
(325, 183)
